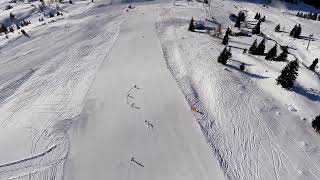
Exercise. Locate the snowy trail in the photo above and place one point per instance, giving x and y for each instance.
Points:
(158, 130)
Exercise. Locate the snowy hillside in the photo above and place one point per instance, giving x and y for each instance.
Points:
(112, 90)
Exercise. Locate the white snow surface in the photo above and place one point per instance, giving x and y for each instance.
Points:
(111, 92)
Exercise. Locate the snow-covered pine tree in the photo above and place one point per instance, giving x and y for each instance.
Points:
(191, 25)
(223, 57)
(283, 55)
(256, 29)
(253, 47)
(225, 40)
(316, 123)
(261, 47)
(277, 28)
(314, 64)
(272, 53)
(288, 75)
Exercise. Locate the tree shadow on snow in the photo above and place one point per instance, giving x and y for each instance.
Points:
(246, 73)
(312, 94)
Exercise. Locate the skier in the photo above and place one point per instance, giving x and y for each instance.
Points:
(149, 125)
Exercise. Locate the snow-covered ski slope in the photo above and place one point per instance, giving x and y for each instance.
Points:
(256, 129)
(107, 92)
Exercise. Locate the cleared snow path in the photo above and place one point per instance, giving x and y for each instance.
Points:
(144, 132)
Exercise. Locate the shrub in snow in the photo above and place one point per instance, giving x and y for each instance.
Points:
(314, 64)
(8, 7)
(288, 75)
(283, 55)
(3, 29)
(316, 123)
(256, 29)
(12, 16)
(261, 47)
(191, 25)
(225, 40)
(263, 19)
(277, 28)
(11, 29)
(272, 53)
(242, 67)
(253, 47)
(70, 2)
(224, 56)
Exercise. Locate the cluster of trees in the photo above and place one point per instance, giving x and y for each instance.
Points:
(312, 16)
(296, 31)
(25, 23)
(241, 18)
(271, 55)
(258, 17)
(257, 29)
(288, 75)
(258, 50)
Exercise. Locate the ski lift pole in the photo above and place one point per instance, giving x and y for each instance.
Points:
(310, 36)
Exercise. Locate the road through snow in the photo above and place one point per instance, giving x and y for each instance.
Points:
(150, 122)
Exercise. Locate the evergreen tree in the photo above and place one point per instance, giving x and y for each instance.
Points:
(297, 32)
(288, 75)
(224, 56)
(314, 64)
(256, 29)
(263, 19)
(257, 16)
(242, 67)
(191, 25)
(3, 29)
(229, 54)
(238, 23)
(283, 55)
(293, 31)
(277, 28)
(253, 47)
(316, 123)
(228, 31)
(272, 53)
(225, 39)
(12, 16)
(261, 47)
